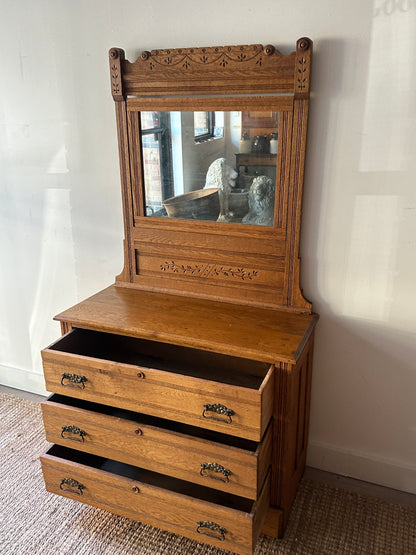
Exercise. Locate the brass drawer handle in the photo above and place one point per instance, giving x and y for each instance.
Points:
(73, 430)
(215, 467)
(74, 380)
(220, 531)
(219, 409)
(72, 484)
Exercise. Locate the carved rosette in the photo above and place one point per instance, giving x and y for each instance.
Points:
(219, 56)
(209, 271)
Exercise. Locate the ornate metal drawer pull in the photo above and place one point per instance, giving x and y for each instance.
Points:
(72, 484)
(73, 430)
(219, 409)
(74, 379)
(215, 467)
(211, 526)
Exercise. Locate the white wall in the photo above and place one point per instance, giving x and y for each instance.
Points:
(61, 228)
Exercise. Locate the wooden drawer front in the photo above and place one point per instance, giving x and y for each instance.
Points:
(110, 486)
(165, 394)
(128, 437)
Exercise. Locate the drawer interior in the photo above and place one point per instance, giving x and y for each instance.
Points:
(162, 423)
(152, 478)
(162, 356)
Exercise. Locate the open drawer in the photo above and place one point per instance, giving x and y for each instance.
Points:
(206, 515)
(227, 463)
(228, 394)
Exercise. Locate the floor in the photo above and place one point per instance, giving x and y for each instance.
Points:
(336, 480)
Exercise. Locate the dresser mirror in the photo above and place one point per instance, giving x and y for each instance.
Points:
(210, 165)
(212, 144)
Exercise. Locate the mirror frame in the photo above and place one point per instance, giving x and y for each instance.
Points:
(239, 263)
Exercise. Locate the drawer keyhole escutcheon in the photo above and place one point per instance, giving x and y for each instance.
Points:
(219, 531)
(74, 380)
(218, 409)
(141, 375)
(215, 467)
(135, 489)
(138, 432)
(73, 430)
(72, 484)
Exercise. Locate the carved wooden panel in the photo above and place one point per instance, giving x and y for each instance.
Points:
(231, 69)
(194, 70)
(196, 268)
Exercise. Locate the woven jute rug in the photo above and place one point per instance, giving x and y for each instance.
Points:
(324, 520)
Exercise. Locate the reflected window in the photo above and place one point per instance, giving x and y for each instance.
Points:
(208, 125)
(157, 159)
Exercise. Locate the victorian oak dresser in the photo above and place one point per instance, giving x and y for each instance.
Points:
(181, 393)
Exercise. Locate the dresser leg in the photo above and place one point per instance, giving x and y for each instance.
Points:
(273, 523)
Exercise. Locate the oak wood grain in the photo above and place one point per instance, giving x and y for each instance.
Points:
(153, 505)
(131, 440)
(249, 332)
(225, 69)
(291, 429)
(165, 394)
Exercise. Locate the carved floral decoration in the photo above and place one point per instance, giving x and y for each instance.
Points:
(221, 56)
(115, 79)
(301, 74)
(208, 270)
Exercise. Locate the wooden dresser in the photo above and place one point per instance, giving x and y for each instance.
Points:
(181, 393)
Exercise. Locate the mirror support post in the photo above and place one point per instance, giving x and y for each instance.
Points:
(116, 58)
(300, 124)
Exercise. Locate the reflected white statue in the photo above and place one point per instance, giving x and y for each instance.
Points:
(260, 202)
(221, 176)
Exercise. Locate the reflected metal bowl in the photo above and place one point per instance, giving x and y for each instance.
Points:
(203, 204)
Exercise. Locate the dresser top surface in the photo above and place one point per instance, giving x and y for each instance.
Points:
(245, 331)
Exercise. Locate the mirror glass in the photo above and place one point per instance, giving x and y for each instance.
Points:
(215, 166)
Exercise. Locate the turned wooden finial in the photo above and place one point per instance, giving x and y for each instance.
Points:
(269, 50)
(303, 44)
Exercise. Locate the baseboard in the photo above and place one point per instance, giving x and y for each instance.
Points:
(362, 466)
(22, 379)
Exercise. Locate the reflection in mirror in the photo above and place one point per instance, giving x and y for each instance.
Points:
(217, 166)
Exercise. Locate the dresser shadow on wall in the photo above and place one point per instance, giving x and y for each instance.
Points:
(362, 400)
